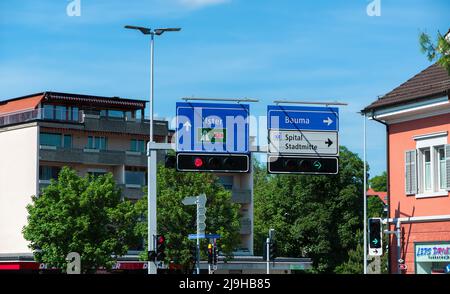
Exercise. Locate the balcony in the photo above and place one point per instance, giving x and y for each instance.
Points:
(241, 196)
(91, 156)
(86, 121)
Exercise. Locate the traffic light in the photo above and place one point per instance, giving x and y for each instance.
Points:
(210, 253)
(302, 165)
(193, 250)
(151, 255)
(272, 250)
(170, 161)
(160, 247)
(225, 163)
(215, 255)
(375, 237)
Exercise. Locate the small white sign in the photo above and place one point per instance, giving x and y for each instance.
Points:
(303, 142)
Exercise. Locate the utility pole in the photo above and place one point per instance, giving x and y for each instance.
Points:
(365, 198)
(152, 163)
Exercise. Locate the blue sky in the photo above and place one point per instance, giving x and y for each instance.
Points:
(266, 49)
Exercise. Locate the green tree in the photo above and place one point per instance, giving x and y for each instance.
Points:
(176, 221)
(314, 216)
(438, 50)
(379, 183)
(80, 214)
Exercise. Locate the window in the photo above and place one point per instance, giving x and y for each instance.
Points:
(50, 139)
(67, 141)
(60, 113)
(426, 153)
(99, 143)
(432, 173)
(73, 113)
(49, 112)
(137, 145)
(441, 168)
(129, 115)
(47, 173)
(115, 114)
(96, 174)
(426, 166)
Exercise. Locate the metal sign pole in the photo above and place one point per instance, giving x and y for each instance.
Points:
(198, 239)
(268, 255)
(365, 199)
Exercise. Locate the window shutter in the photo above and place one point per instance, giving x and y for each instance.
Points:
(411, 172)
(447, 166)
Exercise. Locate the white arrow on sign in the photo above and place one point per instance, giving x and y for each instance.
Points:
(328, 121)
(189, 200)
(187, 125)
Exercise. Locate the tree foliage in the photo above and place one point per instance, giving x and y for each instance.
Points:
(379, 183)
(176, 221)
(438, 50)
(313, 216)
(80, 214)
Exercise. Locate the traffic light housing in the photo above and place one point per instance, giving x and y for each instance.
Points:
(375, 236)
(151, 255)
(170, 161)
(302, 165)
(272, 250)
(210, 253)
(160, 247)
(215, 255)
(193, 250)
(224, 163)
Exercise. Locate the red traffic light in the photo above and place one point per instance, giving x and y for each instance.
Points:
(198, 162)
(161, 239)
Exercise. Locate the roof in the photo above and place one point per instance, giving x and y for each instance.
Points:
(433, 82)
(382, 195)
(33, 100)
(26, 103)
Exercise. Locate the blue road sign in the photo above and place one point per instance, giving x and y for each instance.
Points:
(203, 236)
(303, 118)
(216, 128)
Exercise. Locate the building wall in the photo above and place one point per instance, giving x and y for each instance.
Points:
(18, 182)
(402, 205)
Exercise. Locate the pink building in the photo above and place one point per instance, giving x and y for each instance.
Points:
(417, 119)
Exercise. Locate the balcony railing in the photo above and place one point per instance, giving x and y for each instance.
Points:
(40, 114)
(89, 156)
(90, 120)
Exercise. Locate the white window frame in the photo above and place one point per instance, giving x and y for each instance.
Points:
(438, 169)
(432, 142)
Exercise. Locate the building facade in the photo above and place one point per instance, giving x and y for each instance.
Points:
(41, 133)
(417, 119)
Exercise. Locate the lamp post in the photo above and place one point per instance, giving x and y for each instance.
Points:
(152, 168)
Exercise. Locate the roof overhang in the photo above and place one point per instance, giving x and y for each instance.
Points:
(411, 111)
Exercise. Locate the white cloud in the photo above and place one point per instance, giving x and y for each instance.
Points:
(196, 4)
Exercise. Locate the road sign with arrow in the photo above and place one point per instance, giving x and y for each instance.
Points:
(303, 139)
(212, 128)
(303, 142)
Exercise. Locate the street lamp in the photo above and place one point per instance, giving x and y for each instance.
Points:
(151, 196)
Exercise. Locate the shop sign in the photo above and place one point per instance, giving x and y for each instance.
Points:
(433, 253)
